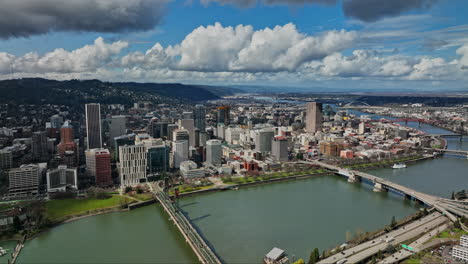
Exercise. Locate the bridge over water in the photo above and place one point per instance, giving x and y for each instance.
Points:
(450, 208)
(450, 151)
(199, 246)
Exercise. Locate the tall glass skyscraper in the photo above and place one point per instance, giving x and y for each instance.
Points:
(93, 126)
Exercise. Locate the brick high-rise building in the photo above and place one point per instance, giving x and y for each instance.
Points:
(67, 148)
(314, 117)
(98, 165)
(331, 148)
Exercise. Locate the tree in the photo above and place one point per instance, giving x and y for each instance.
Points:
(299, 156)
(314, 256)
(128, 189)
(299, 261)
(393, 223)
(379, 254)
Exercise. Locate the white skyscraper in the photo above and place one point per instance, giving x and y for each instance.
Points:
(263, 139)
(189, 125)
(132, 166)
(214, 152)
(180, 152)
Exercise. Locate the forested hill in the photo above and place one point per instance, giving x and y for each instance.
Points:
(44, 91)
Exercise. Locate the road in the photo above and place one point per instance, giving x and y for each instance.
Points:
(418, 245)
(379, 242)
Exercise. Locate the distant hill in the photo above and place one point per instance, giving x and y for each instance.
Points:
(44, 91)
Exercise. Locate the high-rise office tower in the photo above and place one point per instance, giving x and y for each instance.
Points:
(199, 116)
(158, 158)
(214, 152)
(187, 115)
(117, 127)
(122, 141)
(263, 139)
(24, 181)
(180, 134)
(56, 121)
(314, 117)
(62, 178)
(188, 124)
(170, 131)
(67, 148)
(179, 152)
(93, 126)
(39, 146)
(98, 165)
(158, 129)
(197, 137)
(6, 159)
(279, 149)
(224, 115)
(203, 138)
(132, 165)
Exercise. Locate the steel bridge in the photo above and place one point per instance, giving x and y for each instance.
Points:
(199, 246)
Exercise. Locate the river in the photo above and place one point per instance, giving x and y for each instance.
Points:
(243, 225)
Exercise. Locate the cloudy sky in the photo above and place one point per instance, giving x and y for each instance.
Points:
(417, 44)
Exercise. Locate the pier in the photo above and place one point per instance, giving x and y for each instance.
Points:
(199, 246)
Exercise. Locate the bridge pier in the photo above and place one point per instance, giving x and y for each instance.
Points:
(352, 178)
(378, 187)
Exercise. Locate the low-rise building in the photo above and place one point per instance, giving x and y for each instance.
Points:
(190, 170)
(61, 179)
(461, 252)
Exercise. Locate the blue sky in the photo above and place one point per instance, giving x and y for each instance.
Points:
(307, 44)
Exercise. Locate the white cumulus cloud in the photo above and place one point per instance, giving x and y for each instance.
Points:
(87, 58)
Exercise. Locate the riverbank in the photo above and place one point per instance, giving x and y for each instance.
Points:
(253, 183)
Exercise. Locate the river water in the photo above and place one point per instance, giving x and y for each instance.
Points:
(243, 225)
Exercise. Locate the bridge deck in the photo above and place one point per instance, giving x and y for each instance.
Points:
(204, 253)
(427, 199)
(460, 151)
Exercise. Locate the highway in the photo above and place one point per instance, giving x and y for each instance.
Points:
(367, 249)
(417, 245)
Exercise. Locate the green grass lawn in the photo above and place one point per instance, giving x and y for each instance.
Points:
(61, 209)
(412, 261)
(143, 196)
(455, 233)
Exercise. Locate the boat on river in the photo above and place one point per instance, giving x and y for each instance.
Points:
(399, 166)
(3, 251)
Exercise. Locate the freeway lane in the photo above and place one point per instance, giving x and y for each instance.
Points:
(349, 252)
(398, 239)
(417, 245)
